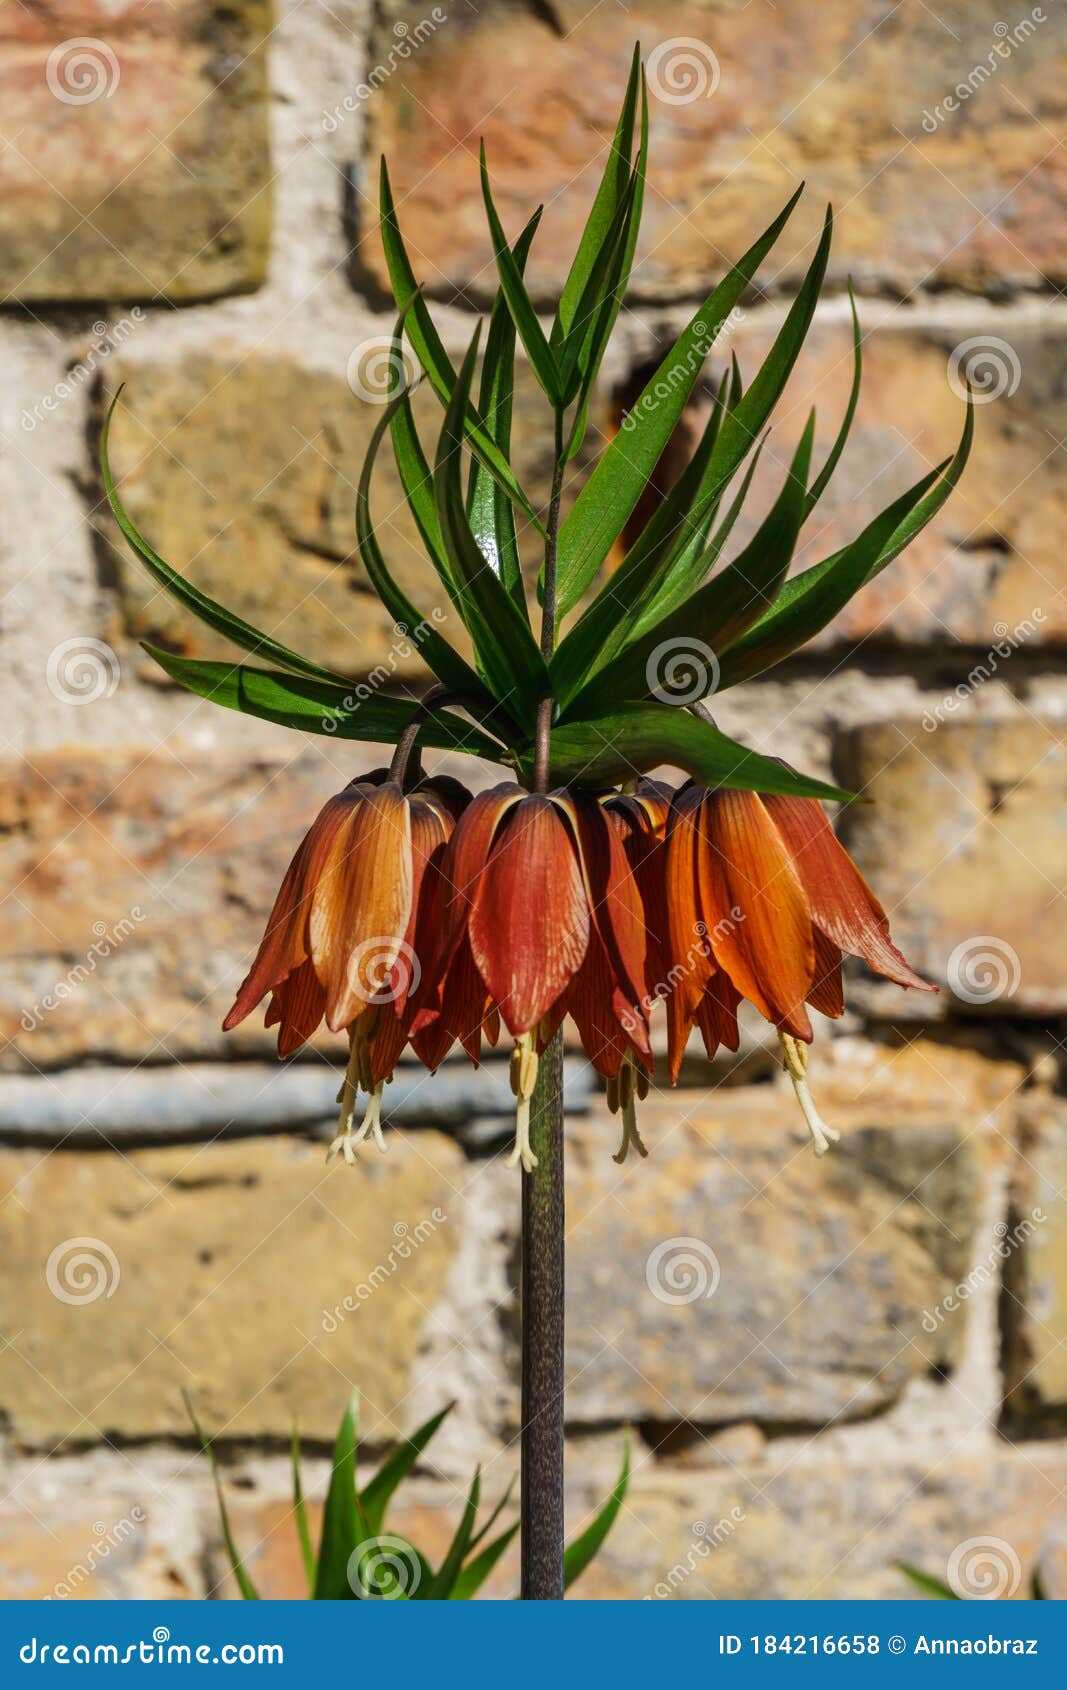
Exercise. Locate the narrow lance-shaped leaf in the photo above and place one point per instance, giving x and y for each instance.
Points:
(822, 480)
(525, 318)
(342, 1525)
(718, 613)
(376, 1492)
(507, 652)
(475, 1573)
(303, 1528)
(809, 602)
(627, 741)
(602, 508)
(214, 615)
(237, 1566)
(430, 351)
(446, 1575)
(577, 1555)
(742, 423)
(927, 1583)
(489, 508)
(293, 702)
(596, 344)
(609, 196)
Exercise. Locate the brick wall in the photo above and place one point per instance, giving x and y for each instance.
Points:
(188, 208)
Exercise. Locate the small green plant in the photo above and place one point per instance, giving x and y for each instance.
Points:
(931, 1586)
(357, 1557)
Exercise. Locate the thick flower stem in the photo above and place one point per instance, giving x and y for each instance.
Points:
(542, 1338)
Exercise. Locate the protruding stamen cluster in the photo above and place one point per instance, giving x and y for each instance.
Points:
(357, 1078)
(630, 1083)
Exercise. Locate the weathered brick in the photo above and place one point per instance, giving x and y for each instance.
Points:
(961, 839)
(732, 1276)
(830, 94)
(1035, 1271)
(223, 1270)
(135, 160)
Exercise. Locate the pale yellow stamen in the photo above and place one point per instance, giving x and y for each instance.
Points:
(795, 1058)
(627, 1087)
(347, 1140)
(523, 1080)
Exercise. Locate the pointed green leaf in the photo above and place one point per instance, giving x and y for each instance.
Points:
(525, 318)
(293, 702)
(507, 651)
(237, 1566)
(489, 509)
(609, 196)
(449, 667)
(475, 1573)
(430, 351)
(578, 1554)
(342, 1526)
(821, 481)
(213, 615)
(303, 1529)
(484, 1531)
(718, 613)
(927, 1583)
(603, 506)
(444, 1579)
(638, 737)
(811, 600)
(376, 1493)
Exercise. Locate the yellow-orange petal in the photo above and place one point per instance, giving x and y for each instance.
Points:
(842, 903)
(362, 901)
(757, 912)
